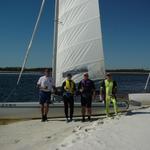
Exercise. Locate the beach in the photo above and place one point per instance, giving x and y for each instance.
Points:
(129, 131)
(36, 135)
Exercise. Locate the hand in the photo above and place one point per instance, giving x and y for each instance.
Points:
(46, 87)
(100, 98)
(94, 96)
(81, 90)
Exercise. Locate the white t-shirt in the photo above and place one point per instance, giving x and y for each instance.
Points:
(45, 82)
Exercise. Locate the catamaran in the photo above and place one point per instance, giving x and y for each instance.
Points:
(141, 98)
(77, 49)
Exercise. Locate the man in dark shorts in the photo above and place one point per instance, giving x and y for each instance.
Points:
(45, 85)
(87, 91)
(68, 89)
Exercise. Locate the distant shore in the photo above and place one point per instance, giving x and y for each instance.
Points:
(17, 72)
(112, 72)
(39, 70)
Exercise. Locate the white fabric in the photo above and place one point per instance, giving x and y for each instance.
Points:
(79, 44)
(44, 82)
(142, 98)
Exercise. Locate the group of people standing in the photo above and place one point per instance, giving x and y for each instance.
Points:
(85, 88)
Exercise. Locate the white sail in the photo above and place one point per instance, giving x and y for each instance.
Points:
(79, 40)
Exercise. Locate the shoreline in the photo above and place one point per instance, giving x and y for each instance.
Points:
(38, 72)
(16, 72)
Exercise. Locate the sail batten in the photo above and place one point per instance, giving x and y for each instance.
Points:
(79, 43)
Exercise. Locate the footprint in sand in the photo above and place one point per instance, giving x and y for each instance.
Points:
(78, 137)
(89, 129)
(48, 137)
(16, 141)
(76, 129)
(63, 145)
(73, 141)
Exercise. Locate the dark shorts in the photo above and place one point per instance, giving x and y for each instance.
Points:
(44, 97)
(86, 101)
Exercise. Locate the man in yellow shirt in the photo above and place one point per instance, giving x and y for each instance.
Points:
(68, 89)
(108, 91)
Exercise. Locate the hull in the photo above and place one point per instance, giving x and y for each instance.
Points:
(32, 110)
(141, 98)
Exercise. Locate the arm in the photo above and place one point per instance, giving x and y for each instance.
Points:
(53, 86)
(102, 89)
(94, 91)
(62, 87)
(79, 86)
(74, 86)
(39, 83)
(114, 87)
(102, 86)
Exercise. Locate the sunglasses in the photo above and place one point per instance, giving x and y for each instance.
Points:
(85, 75)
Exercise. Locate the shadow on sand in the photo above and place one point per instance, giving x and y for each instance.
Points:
(129, 113)
(79, 119)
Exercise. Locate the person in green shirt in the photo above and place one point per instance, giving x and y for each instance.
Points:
(108, 91)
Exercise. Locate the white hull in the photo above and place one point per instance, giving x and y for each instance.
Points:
(142, 98)
(32, 110)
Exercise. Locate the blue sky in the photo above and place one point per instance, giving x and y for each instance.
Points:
(125, 29)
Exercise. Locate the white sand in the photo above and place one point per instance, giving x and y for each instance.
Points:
(123, 133)
(130, 132)
(35, 135)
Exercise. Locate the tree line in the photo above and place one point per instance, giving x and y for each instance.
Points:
(17, 69)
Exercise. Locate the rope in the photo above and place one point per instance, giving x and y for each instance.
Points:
(30, 44)
(27, 51)
(12, 91)
(147, 82)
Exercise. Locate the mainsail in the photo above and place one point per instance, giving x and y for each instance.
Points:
(79, 40)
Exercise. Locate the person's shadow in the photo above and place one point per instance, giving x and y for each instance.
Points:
(129, 113)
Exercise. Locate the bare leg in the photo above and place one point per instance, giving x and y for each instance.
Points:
(83, 111)
(42, 109)
(42, 112)
(89, 111)
(46, 109)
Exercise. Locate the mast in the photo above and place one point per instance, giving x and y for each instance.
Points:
(55, 40)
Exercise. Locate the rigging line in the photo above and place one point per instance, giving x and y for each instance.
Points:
(11, 92)
(27, 51)
(31, 40)
(147, 82)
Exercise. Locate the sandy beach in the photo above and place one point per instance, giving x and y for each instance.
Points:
(126, 132)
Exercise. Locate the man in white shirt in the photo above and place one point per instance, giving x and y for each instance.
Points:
(45, 85)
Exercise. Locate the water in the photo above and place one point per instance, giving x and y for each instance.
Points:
(27, 91)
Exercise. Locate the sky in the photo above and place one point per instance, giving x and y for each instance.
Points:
(125, 30)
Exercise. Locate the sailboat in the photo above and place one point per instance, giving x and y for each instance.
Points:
(141, 98)
(77, 49)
